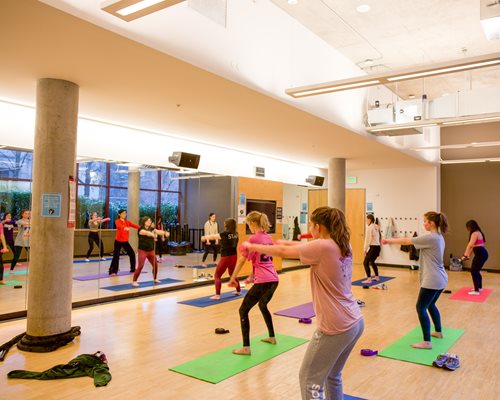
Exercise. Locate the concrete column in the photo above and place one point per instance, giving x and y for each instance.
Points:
(336, 183)
(51, 242)
(134, 193)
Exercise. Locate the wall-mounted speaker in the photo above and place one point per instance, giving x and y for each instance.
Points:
(315, 180)
(184, 160)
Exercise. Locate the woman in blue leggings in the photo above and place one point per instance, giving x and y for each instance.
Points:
(433, 276)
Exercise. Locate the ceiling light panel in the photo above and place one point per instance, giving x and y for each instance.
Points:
(128, 10)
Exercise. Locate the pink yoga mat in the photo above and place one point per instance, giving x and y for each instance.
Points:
(462, 294)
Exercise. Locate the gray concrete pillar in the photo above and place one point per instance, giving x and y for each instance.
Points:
(51, 242)
(134, 193)
(336, 183)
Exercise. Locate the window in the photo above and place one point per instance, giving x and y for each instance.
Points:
(15, 181)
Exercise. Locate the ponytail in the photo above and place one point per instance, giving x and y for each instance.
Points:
(439, 219)
(334, 221)
(259, 219)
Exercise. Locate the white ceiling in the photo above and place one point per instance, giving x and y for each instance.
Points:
(394, 34)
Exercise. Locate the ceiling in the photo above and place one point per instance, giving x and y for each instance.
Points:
(394, 34)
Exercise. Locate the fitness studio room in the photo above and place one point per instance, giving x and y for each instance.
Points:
(249, 199)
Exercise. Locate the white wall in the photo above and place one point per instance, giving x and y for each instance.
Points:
(293, 197)
(404, 194)
(119, 143)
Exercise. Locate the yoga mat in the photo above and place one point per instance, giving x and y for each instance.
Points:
(204, 266)
(401, 350)
(128, 286)
(347, 397)
(303, 311)
(12, 283)
(462, 294)
(99, 276)
(21, 272)
(91, 260)
(222, 364)
(206, 301)
(382, 280)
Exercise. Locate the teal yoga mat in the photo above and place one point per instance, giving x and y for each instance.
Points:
(222, 364)
(401, 349)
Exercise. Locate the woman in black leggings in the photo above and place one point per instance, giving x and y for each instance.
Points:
(476, 245)
(94, 237)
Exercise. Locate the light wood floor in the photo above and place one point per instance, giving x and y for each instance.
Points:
(143, 338)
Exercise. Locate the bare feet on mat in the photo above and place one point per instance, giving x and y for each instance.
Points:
(236, 293)
(157, 281)
(135, 284)
(215, 297)
(438, 335)
(368, 280)
(422, 345)
(269, 340)
(244, 351)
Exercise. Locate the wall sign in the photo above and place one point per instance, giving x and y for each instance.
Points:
(51, 205)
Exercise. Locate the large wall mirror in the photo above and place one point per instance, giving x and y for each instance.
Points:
(174, 201)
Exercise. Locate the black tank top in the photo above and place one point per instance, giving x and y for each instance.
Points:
(228, 243)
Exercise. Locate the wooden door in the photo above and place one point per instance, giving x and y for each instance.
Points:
(354, 212)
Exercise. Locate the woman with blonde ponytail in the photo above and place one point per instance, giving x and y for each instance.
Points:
(340, 323)
(433, 277)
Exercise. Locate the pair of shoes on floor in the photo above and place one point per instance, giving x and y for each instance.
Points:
(380, 286)
(447, 361)
(361, 303)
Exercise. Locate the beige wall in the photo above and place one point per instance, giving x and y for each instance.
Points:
(472, 191)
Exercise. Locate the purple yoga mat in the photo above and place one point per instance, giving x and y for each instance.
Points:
(303, 311)
(99, 276)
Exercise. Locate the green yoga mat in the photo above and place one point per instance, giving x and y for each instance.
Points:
(401, 349)
(215, 367)
(13, 283)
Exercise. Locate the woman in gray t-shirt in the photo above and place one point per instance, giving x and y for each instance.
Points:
(433, 277)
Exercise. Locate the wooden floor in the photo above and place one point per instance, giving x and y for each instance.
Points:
(143, 338)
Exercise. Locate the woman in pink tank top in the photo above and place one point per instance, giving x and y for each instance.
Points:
(476, 246)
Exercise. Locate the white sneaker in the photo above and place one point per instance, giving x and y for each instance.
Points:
(474, 293)
(87, 260)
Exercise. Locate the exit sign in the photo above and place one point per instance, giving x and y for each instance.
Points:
(352, 179)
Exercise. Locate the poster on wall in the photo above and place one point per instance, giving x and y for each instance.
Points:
(279, 215)
(51, 205)
(242, 208)
(72, 202)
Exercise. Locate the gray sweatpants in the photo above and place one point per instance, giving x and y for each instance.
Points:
(321, 370)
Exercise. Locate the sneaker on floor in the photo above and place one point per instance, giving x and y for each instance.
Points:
(440, 360)
(361, 303)
(474, 293)
(87, 260)
(452, 363)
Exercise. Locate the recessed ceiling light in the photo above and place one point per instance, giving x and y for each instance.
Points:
(411, 96)
(362, 8)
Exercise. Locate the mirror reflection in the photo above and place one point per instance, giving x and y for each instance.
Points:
(139, 228)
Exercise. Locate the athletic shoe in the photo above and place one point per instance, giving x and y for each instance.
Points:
(440, 360)
(361, 303)
(87, 260)
(452, 363)
(474, 293)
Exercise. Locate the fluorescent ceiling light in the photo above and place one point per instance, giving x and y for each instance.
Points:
(457, 146)
(394, 128)
(128, 10)
(443, 71)
(463, 64)
(363, 8)
(466, 121)
(311, 91)
(470, 160)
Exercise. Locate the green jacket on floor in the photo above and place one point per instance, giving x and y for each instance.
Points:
(93, 365)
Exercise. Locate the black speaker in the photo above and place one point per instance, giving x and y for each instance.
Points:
(184, 160)
(315, 180)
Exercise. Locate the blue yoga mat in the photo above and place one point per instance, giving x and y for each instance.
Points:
(91, 261)
(204, 266)
(207, 301)
(382, 279)
(100, 276)
(128, 286)
(347, 397)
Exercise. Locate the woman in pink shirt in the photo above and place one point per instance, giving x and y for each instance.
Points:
(265, 279)
(340, 323)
